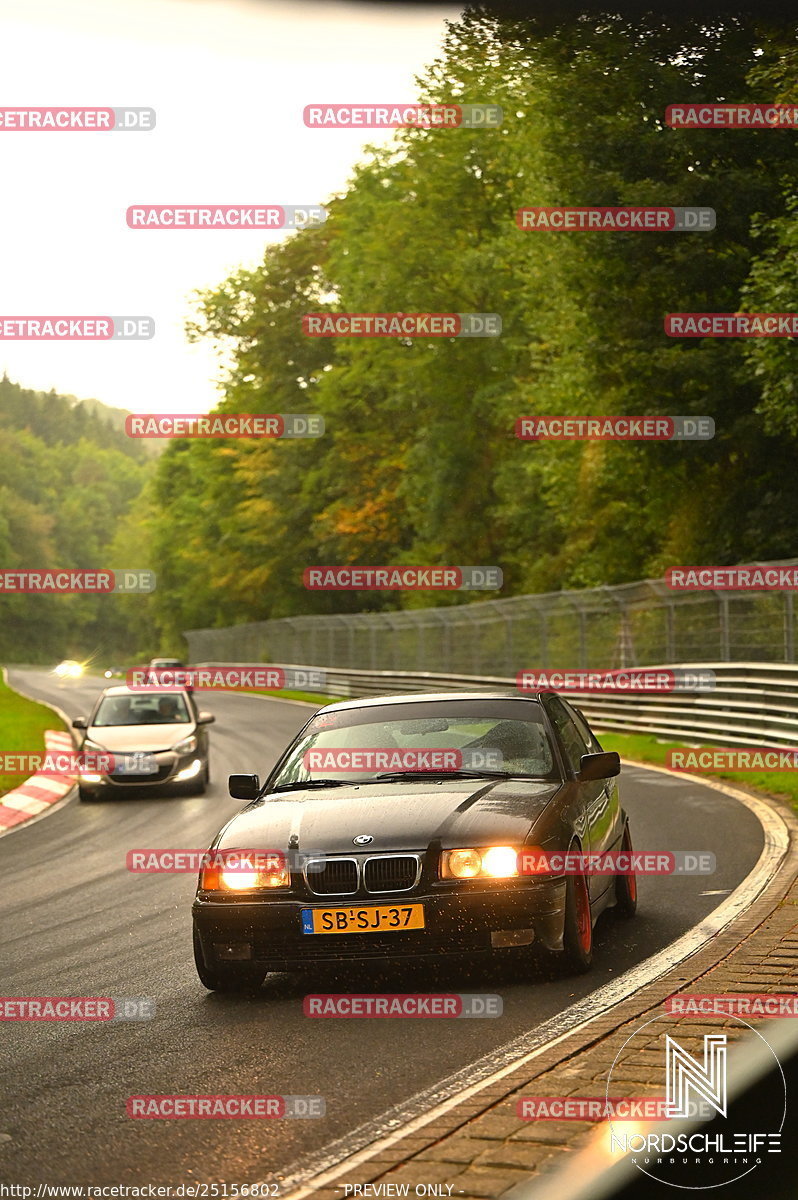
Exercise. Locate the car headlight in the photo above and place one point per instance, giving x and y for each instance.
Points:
(69, 669)
(238, 878)
(187, 746)
(95, 747)
(491, 862)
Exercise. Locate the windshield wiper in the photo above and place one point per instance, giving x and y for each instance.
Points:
(299, 785)
(444, 775)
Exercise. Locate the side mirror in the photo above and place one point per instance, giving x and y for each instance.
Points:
(80, 723)
(205, 718)
(599, 766)
(243, 787)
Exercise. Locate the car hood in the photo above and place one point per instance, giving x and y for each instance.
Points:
(118, 738)
(397, 815)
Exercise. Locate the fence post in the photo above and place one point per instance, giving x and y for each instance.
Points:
(789, 627)
(723, 600)
(509, 648)
(670, 632)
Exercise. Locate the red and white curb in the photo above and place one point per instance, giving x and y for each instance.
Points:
(40, 791)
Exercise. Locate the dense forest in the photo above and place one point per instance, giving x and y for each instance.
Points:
(419, 463)
(69, 488)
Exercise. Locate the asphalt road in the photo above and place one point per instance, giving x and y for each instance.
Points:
(74, 922)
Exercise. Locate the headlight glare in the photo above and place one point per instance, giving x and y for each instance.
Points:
(240, 881)
(245, 876)
(500, 862)
(489, 862)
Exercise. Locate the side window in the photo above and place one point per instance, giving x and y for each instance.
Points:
(589, 738)
(570, 738)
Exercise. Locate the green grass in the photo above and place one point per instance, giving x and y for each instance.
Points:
(22, 726)
(647, 748)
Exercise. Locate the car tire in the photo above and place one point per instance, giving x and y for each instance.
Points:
(577, 926)
(626, 885)
(226, 979)
(86, 797)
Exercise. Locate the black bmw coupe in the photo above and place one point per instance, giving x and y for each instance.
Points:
(403, 826)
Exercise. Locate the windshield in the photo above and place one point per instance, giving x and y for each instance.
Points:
(165, 708)
(439, 738)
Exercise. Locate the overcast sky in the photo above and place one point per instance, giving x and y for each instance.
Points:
(228, 80)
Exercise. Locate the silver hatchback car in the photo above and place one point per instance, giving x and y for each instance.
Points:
(158, 738)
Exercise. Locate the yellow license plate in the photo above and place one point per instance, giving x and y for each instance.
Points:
(375, 918)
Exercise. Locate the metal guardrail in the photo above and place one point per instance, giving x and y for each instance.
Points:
(753, 704)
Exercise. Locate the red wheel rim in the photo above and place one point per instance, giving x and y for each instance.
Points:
(583, 925)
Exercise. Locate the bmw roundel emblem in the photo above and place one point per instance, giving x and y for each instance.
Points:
(363, 839)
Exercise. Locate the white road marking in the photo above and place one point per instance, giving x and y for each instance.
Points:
(48, 784)
(21, 803)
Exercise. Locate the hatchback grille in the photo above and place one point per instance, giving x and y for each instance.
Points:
(391, 874)
(332, 877)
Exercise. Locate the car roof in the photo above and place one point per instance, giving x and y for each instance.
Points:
(123, 690)
(415, 697)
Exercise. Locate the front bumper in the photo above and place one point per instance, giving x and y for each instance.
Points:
(269, 931)
(174, 771)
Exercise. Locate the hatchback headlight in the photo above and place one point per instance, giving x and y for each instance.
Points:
(94, 747)
(490, 862)
(187, 746)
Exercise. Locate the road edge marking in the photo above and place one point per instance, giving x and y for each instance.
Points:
(69, 794)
